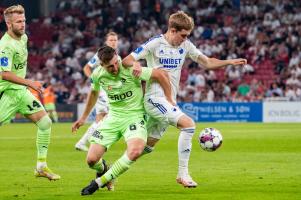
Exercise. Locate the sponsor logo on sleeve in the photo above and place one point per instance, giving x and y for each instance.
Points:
(138, 50)
(93, 60)
(4, 61)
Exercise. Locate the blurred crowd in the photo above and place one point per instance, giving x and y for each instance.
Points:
(266, 33)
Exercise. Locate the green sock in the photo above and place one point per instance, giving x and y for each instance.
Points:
(118, 168)
(98, 166)
(55, 116)
(43, 137)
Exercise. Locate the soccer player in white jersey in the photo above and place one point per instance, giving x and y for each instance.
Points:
(168, 51)
(101, 106)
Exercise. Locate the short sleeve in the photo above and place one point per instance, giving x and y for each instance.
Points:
(94, 61)
(95, 81)
(6, 59)
(146, 48)
(193, 52)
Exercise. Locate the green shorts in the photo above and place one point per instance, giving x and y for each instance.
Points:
(49, 106)
(17, 101)
(113, 128)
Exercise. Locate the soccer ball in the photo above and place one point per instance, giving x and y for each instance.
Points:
(210, 139)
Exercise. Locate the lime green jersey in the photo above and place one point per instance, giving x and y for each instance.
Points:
(123, 90)
(13, 58)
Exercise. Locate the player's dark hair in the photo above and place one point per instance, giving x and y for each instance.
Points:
(105, 54)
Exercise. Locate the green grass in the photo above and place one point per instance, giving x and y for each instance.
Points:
(256, 161)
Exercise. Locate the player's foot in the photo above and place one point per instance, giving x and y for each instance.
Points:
(81, 147)
(47, 173)
(110, 184)
(90, 189)
(186, 181)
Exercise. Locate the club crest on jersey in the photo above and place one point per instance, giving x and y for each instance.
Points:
(181, 51)
(4, 61)
(110, 87)
(161, 52)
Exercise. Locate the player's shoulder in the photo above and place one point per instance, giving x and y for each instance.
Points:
(187, 43)
(5, 41)
(150, 43)
(93, 60)
(6, 45)
(98, 72)
(154, 39)
(24, 38)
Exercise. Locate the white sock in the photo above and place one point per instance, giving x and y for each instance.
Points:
(92, 128)
(184, 148)
(41, 165)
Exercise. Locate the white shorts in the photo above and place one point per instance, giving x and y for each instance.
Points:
(162, 114)
(101, 105)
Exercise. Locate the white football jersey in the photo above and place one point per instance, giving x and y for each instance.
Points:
(94, 62)
(160, 54)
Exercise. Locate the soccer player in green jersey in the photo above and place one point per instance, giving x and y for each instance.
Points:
(126, 117)
(14, 95)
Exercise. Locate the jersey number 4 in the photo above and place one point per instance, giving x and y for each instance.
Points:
(35, 104)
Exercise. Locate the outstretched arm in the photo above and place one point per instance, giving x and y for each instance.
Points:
(213, 63)
(11, 77)
(92, 98)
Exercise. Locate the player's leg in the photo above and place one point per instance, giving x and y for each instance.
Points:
(50, 108)
(155, 130)
(8, 106)
(135, 136)
(95, 161)
(101, 140)
(33, 110)
(81, 145)
(101, 112)
(165, 113)
(187, 127)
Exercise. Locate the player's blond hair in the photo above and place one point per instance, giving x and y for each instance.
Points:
(180, 20)
(111, 33)
(8, 12)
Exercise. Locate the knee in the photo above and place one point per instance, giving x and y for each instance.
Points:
(185, 122)
(92, 160)
(134, 153)
(44, 123)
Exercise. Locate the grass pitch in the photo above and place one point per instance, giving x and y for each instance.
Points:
(256, 161)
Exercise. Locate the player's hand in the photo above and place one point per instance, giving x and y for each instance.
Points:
(238, 61)
(36, 87)
(76, 125)
(137, 69)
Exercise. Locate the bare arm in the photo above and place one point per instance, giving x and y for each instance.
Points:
(92, 98)
(87, 70)
(162, 78)
(213, 63)
(128, 61)
(11, 77)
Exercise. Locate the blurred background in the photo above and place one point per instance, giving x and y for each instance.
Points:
(64, 35)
